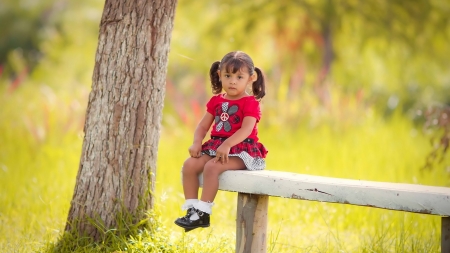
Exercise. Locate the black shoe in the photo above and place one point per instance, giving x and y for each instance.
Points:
(189, 225)
(188, 214)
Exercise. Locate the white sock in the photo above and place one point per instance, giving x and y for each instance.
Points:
(188, 203)
(204, 206)
(194, 216)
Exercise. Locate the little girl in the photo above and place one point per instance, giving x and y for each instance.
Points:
(234, 136)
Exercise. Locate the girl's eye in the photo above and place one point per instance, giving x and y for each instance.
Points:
(226, 75)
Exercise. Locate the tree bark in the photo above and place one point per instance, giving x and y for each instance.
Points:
(117, 168)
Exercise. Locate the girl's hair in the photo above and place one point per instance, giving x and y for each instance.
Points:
(233, 62)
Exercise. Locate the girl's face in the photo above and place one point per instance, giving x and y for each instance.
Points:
(235, 84)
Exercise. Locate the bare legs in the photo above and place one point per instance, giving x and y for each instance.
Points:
(192, 167)
(198, 211)
(211, 173)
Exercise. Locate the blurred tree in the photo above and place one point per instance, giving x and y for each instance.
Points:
(21, 25)
(378, 46)
(50, 42)
(118, 161)
(438, 121)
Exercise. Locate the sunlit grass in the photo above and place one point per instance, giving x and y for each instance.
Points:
(40, 145)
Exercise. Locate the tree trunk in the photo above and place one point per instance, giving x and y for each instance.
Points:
(118, 162)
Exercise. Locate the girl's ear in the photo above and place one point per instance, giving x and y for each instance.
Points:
(218, 72)
(254, 77)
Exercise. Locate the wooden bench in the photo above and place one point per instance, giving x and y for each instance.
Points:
(255, 187)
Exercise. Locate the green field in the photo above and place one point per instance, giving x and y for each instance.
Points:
(40, 143)
(348, 85)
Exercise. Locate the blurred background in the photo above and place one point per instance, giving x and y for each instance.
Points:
(328, 60)
(355, 89)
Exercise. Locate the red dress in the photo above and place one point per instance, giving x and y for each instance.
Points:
(228, 118)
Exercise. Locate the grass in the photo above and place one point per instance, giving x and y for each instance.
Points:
(40, 144)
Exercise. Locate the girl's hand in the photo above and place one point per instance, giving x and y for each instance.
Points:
(195, 150)
(222, 153)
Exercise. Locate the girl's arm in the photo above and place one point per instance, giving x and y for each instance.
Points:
(240, 135)
(200, 133)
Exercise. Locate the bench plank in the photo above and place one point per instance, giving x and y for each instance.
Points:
(394, 196)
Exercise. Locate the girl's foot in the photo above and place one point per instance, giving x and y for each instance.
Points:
(188, 214)
(188, 224)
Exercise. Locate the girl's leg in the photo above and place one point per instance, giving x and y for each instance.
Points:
(192, 167)
(198, 216)
(211, 173)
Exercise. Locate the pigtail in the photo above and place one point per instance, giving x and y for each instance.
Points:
(216, 84)
(259, 86)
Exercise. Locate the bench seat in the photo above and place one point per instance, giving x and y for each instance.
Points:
(255, 187)
(394, 196)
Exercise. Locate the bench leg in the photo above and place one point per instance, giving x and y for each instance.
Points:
(251, 223)
(445, 235)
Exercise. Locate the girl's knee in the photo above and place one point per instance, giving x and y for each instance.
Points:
(211, 169)
(191, 166)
